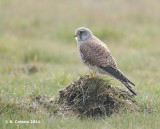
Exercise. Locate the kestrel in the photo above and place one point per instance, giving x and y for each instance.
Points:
(96, 55)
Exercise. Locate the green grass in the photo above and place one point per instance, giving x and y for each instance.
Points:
(45, 29)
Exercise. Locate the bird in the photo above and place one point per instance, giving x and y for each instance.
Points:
(96, 56)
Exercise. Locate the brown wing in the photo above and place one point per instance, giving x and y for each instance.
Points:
(97, 53)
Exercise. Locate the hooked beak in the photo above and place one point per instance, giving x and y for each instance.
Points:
(75, 35)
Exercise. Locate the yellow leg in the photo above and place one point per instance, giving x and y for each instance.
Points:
(91, 75)
(94, 74)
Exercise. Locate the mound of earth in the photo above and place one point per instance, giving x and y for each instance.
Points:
(95, 97)
(89, 97)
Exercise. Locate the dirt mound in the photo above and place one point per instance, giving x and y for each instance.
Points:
(89, 97)
(95, 97)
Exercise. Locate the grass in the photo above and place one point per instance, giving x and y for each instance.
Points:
(45, 29)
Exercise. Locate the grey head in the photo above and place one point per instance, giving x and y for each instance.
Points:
(82, 34)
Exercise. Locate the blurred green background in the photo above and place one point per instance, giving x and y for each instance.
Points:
(40, 33)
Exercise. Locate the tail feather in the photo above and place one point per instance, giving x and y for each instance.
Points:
(118, 75)
(129, 88)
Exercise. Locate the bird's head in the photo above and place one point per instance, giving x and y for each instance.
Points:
(82, 34)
